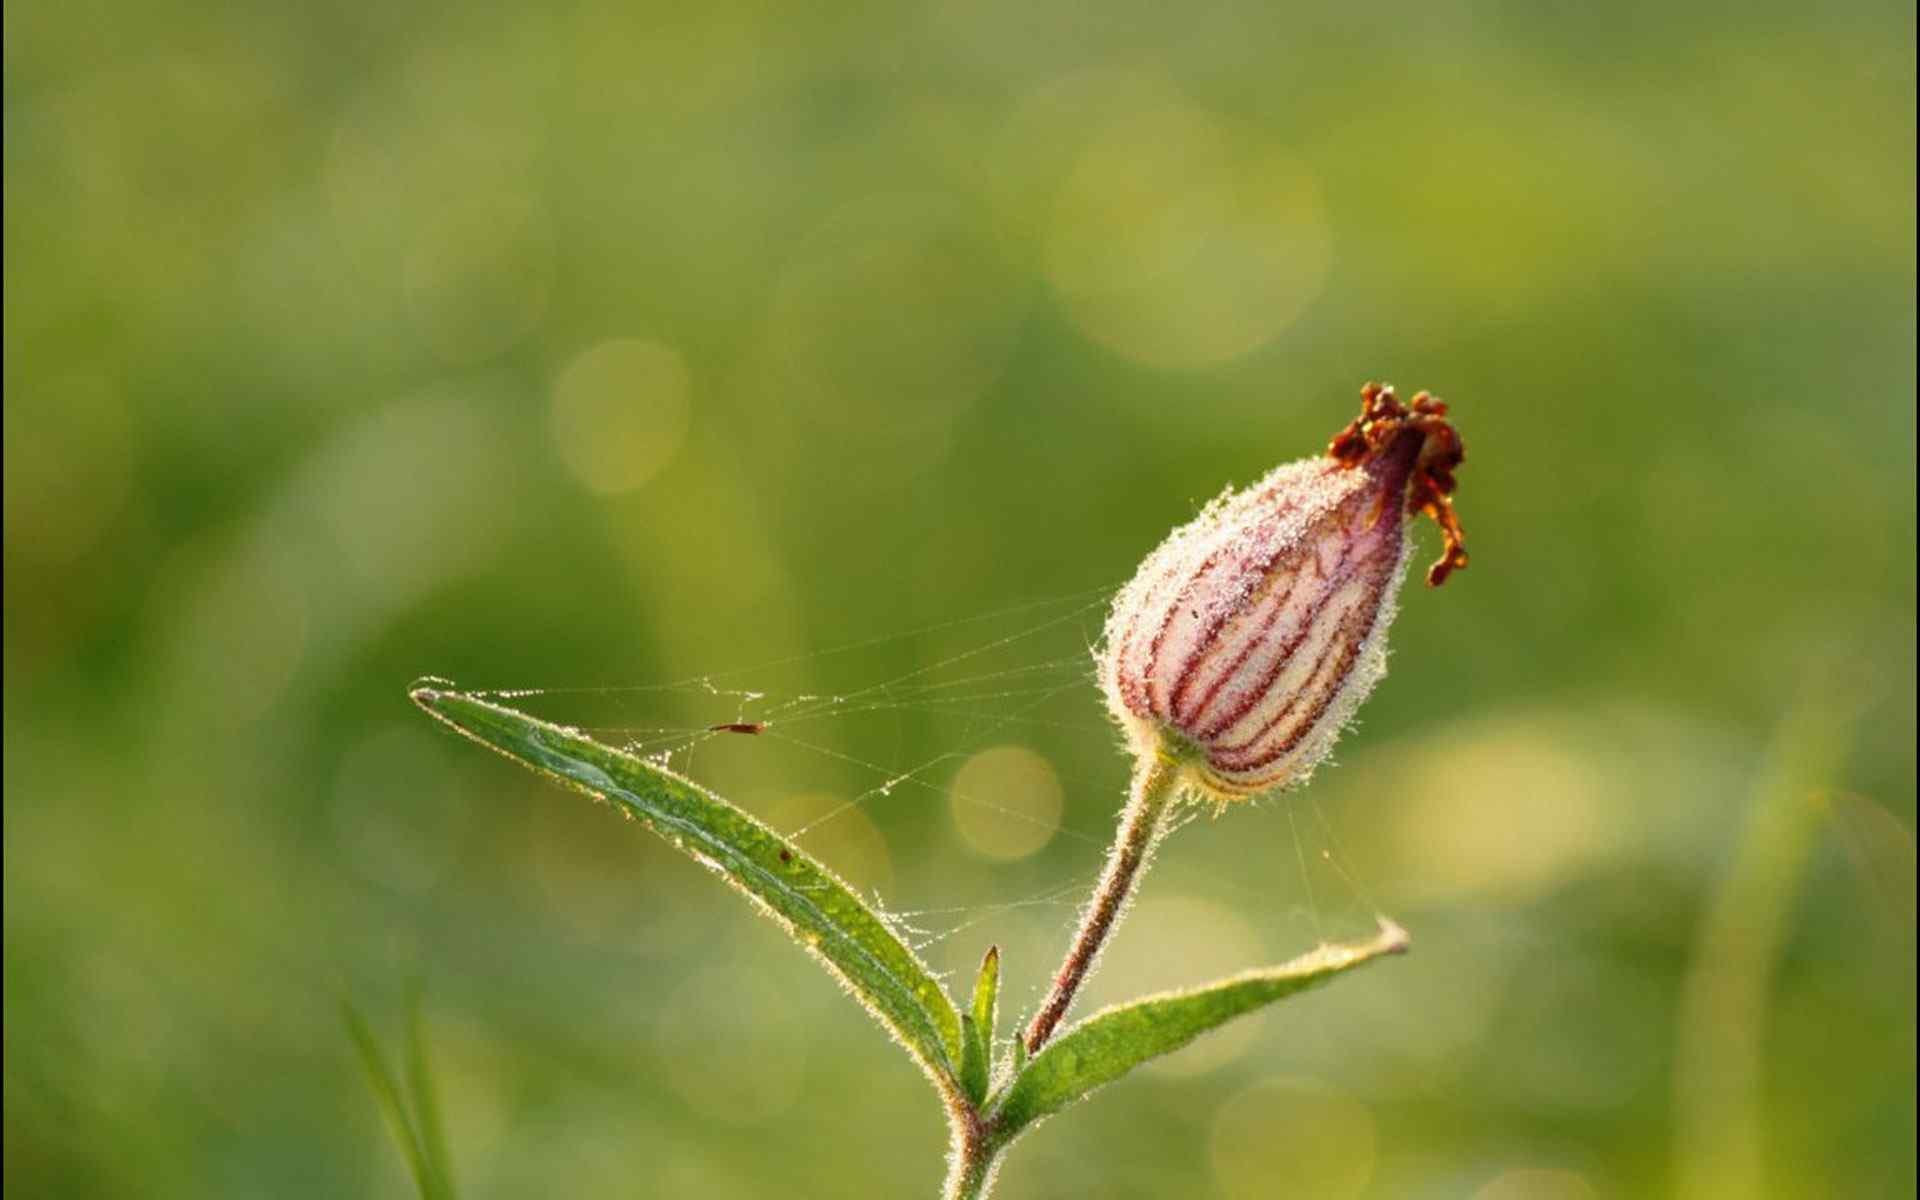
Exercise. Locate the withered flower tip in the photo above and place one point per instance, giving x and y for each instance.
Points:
(1385, 422)
(1246, 640)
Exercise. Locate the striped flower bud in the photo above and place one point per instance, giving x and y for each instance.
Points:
(1248, 638)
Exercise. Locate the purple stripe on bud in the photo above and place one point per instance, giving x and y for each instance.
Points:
(1253, 632)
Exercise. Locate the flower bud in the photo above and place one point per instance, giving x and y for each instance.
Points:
(1248, 638)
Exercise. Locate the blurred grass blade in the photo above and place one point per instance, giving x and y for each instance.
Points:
(810, 902)
(1114, 1041)
(393, 1105)
(1721, 1059)
(426, 1106)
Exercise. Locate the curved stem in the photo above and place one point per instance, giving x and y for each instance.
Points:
(1141, 826)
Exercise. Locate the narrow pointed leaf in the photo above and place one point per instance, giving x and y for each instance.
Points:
(392, 1102)
(1113, 1041)
(976, 1064)
(986, 994)
(426, 1106)
(811, 903)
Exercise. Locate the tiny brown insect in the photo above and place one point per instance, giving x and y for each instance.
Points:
(738, 727)
(786, 855)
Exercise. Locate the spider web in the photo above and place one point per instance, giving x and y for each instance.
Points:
(889, 749)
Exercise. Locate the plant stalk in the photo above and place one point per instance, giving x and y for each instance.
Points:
(976, 1159)
(1141, 826)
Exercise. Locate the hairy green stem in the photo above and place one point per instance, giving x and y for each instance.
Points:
(1141, 826)
(976, 1158)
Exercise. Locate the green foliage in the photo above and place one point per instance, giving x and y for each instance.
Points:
(855, 943)
(1112, 1042)
(814, 906)
(310, 305)
(976, 1064)
(412, 1112)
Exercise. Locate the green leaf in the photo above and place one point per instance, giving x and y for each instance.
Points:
(1114, 1041)
(973, 1059)
(977, 1025)
(426, 1105)
(986, 993)
(811, 903)
(393, 1106)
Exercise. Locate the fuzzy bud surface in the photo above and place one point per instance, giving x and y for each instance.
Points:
(1248, 638)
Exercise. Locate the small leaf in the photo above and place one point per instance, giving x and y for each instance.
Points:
(1113, 1041)
(977, 1026)
(807, 900)
(986, 995)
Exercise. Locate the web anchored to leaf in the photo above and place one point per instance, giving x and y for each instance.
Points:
(873, 755)
(865, 753)
(1232, 660)
(816, 743)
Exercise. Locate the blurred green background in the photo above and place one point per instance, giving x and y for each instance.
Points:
(623, 344)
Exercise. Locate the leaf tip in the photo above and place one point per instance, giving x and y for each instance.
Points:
(1392, 937)
(986, 994)
(427, 690)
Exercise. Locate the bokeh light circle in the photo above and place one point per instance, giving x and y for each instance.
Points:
(1178, 240)
(1006, 802)
(619, 412)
